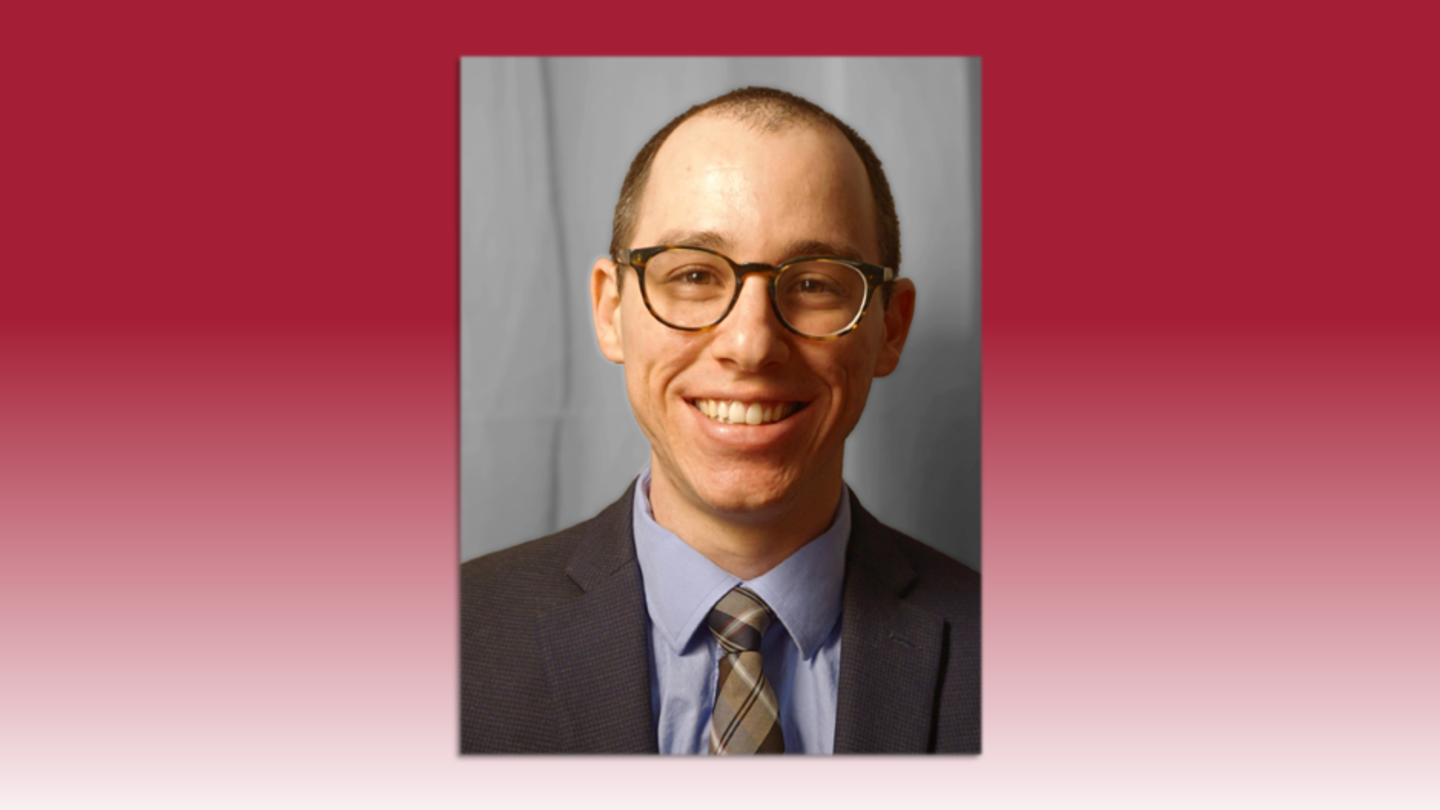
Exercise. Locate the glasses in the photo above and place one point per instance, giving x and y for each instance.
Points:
(693, 289)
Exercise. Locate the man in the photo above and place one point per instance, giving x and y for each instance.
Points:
(737, 598)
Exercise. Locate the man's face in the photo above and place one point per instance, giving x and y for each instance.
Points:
(755, 197)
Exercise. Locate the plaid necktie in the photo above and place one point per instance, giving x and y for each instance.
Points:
(746, 719)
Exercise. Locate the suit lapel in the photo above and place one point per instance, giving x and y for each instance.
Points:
(890, 652)
(596, 648)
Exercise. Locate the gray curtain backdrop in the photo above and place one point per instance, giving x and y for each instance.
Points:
(547, 437)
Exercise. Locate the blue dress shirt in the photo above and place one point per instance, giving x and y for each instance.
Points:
(801, 650)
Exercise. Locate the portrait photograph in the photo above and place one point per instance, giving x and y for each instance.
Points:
(720, 346)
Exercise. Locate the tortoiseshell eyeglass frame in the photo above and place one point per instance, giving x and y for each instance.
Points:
(875, 277)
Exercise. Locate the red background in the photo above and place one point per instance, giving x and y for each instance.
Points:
(228, 296)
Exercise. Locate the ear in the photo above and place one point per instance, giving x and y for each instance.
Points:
(897, 326)
(605, 299)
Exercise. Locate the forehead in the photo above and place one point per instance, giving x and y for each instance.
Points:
(755, 192)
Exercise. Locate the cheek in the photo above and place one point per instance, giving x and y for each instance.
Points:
(849, 376)
(849, 368)
(654, 356)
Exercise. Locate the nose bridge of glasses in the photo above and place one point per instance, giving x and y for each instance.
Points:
(765, 272)
(753, 268)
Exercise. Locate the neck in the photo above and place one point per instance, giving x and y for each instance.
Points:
(745, 544)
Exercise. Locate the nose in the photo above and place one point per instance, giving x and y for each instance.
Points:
(750, 337)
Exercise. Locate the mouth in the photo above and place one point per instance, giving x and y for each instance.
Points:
(737, 412)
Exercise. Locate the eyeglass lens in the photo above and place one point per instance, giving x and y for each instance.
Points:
(691, 289)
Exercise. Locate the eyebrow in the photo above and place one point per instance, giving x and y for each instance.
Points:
(713, 240)
(813, 247)
(710, 240)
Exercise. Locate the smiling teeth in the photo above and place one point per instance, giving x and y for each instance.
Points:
(735, 412)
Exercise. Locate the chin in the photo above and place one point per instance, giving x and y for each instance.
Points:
(746, 491)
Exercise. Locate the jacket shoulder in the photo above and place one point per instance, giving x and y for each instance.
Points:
(942, 583)
(526, 572)
(920, 577)
(506, 705)
(543, 572)
(951, 589)
(503, 707)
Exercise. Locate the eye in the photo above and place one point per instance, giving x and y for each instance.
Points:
(813, 286)
(693, 276)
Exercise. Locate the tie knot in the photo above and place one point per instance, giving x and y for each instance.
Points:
(739, 620)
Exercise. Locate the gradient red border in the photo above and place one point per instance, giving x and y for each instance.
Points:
(228, 289)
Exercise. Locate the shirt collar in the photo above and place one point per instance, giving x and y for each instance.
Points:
(682, 585)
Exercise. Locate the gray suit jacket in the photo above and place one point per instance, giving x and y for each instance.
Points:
(554, 653)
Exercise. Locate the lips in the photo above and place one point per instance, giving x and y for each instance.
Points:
(738, 412)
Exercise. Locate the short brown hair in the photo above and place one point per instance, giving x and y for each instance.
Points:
(768, 110)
